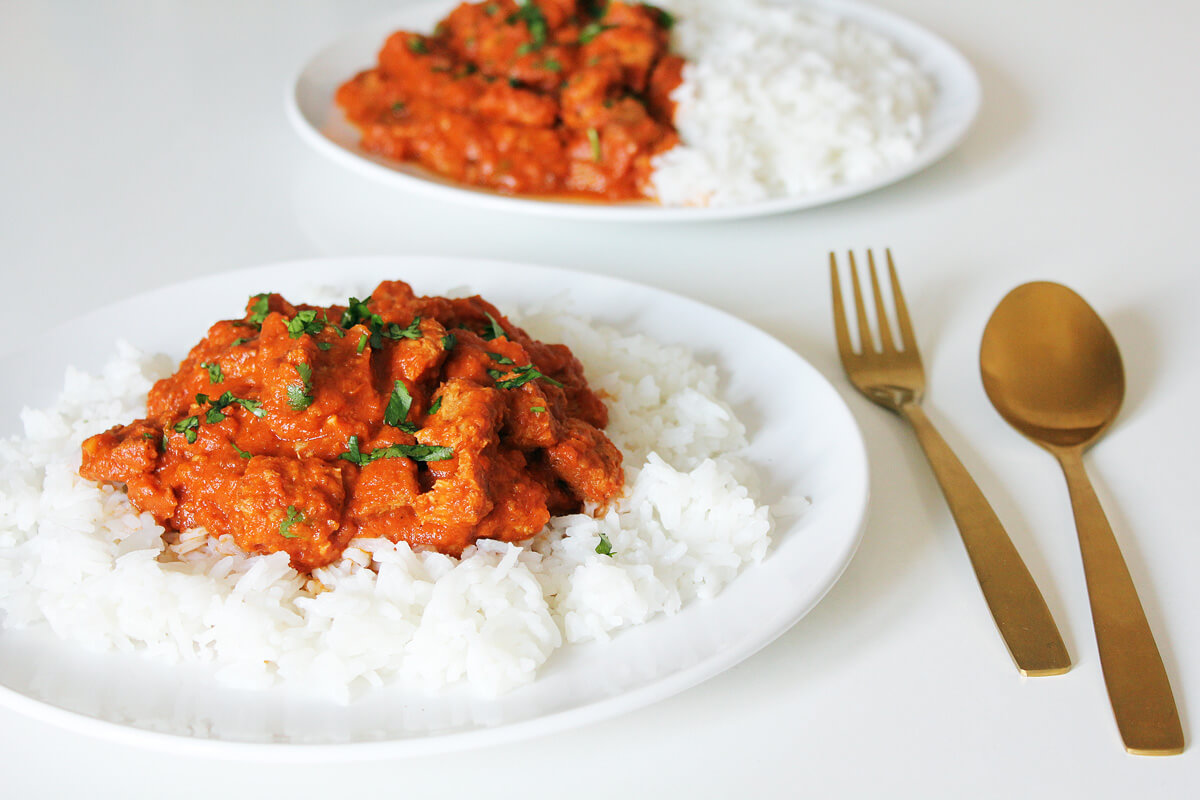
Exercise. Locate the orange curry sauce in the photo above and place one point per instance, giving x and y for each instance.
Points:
(540, 97)
(422, 419)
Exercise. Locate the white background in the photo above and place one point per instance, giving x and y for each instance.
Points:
(145, 143)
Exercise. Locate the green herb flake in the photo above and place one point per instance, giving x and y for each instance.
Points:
(523, 375)
(537, 409)
(214, 371)
(592, 30)
(362, 343)
(305, 323)
(300, 397)
(494, 330)
(490, 9)
(416, 452)
(665, 19)
(417, 45)
(499, 359)
(529, 13)
(393, 331)
(238, 341)
(294, 515)
(437, 404)
(605, 546)
(187, 426)
(324, 345)
(259, 310)
(552, 64)
(594, 140)
(448, 341)
(241, 453)
(398, 405)
(398, 107)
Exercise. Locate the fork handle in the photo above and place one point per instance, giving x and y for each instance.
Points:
(1016, 604)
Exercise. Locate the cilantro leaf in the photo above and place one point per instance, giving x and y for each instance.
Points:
(214, 371)
(437, 404)
(305, 322)
(494, 330)
(417, 452)
(300, 397)
(448, 341)
(523, 375)
(240, 451)
(605, 546)
(259, 310)
(294, 515)
(398, 405)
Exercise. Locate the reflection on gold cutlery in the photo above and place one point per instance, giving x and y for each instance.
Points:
(1052, 369)
(892, 376)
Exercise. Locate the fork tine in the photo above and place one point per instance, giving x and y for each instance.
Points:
(902, 320)
(866, 343)
(885, 328)
(845, 349)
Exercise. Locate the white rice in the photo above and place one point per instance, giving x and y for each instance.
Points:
(779, 101)
(78, 559)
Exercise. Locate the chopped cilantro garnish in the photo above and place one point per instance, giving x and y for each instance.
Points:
(523, 375)
(417, 45)
(490, 9)
(393, 331)
(537, 409)
(294, 515)
(594, 140)
(534, 20)
(305, 322)
(398, 405)
(258, 311)
(437, 404)
(300, 397)
(398, 107)
(417, 452)
(592, 30)
(187, 426)
(324, 345)
(362, 343)
(242, 453)
(552, 64)
(214, 371)
(448, 341)
(499, 359)
(665, 20)
(237, 341)
(605, 546)
(357, 312)
(513, 82)
(494, 330)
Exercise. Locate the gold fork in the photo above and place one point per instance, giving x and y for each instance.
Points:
(893, 377)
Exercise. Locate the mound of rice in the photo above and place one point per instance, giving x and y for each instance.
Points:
(779, 101)
(79, 559)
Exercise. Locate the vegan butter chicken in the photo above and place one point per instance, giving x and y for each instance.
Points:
(540, 97)
(430, 420)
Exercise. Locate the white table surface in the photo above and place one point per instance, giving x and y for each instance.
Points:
(143, 143)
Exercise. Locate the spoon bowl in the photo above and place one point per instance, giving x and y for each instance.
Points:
(1053, 371)
(1051, 367)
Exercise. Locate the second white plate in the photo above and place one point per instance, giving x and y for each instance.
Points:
(320, 123)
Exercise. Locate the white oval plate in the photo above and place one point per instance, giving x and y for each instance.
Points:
(312, 112)
(803, 440)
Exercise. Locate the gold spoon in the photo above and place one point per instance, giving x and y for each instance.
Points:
(1053, 371)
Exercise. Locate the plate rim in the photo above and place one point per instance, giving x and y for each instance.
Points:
(607, 707)
(881, 21)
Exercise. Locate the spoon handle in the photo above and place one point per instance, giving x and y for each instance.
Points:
(1013, 597)
(1133, 668)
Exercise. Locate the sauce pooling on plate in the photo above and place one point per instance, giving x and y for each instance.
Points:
(541, 97)
(420, 419)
